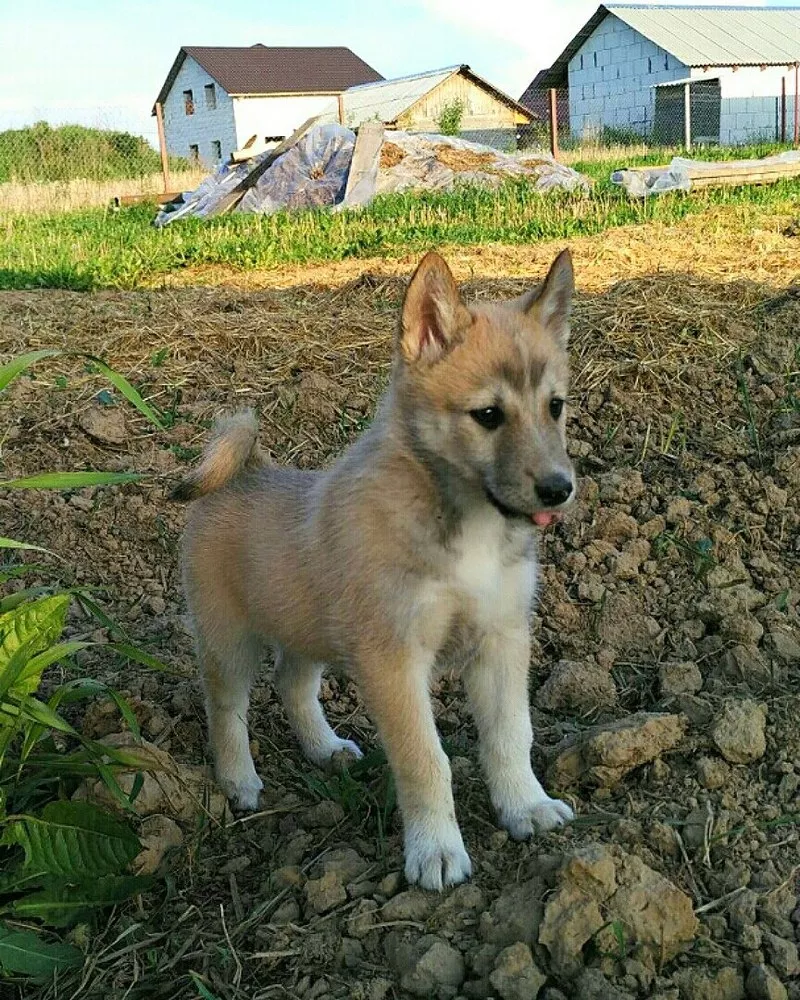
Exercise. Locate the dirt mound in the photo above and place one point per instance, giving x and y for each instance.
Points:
(673, 585)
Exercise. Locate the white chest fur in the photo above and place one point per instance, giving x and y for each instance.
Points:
(490, 582)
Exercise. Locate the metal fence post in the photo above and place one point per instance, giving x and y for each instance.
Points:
(162, 145)
(554, 122)
(687, 115)
(797, 104)
(783, 108)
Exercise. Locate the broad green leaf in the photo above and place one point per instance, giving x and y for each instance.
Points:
(68, 480)
(24, 633)
(61, 902)
(127, 391)
(12, 543)
(73, 838)
(21, 363)
(19, 597)
(25, 953)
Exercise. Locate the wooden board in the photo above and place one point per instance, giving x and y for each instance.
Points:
(364, 165)
(232, 199)
(723, 175)
(137, 199)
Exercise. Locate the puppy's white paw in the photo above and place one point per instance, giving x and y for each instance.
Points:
(541, 815)
(242, 792)
(435, 854)
(333, 750)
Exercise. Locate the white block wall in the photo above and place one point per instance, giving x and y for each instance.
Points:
(205, 126)
(611, 80)
(275, 116)
(751, 105)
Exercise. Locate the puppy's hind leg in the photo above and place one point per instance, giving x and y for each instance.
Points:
(227, 688)
(297, 682)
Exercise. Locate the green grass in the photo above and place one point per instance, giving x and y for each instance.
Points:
(99, 249)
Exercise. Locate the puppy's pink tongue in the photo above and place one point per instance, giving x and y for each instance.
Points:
(544, 518)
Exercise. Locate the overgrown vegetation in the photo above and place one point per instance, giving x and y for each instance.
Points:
(450, 118)
(42, 152)
(61, 861)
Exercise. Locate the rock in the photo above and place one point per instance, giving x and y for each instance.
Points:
(782, 955)
(599, 888)
(287, 913)
(414, 904)
(724, 984)
(168, 789)
(426, 965)
(624, 625)
(678, 510)
(679, 678)
(287, 877)
(390, 883)
(351, 953)
(593, 985)
(514, 915)
(615, 526)
(603, 755)
(738, 731)
(158, 835)
(344, 862)
(326, 893)
(363, 918)
(785, 646)
(459, 908)
(577, 687)
(627, 564)
(621, 486)
(742, 910)
(105, 424)
(763, 984)
(712, 773)
(515, 975)
(745, 663)
(696, 827)
(323, 815)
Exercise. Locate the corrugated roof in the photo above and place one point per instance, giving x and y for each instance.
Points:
(261, 69)
(719, 36)
(698, 36)
(386, 100)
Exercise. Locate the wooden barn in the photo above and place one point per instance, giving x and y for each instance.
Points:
(455, 98)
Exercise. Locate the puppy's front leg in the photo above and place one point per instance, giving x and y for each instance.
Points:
(398, 698)
(497, 686)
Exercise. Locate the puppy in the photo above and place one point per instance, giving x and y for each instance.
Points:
(414, 550)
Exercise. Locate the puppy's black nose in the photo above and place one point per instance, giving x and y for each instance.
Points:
(554, 490)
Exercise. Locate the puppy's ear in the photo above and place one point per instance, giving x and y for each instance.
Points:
(550, 303)
(434, 319)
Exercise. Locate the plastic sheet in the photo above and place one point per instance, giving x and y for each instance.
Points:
(641, 183)
(314, 172)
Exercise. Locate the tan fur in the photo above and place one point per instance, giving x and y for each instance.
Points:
(394, 561)
(233, 447)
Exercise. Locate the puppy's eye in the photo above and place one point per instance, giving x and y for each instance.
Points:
(489, 417)
(556, 407)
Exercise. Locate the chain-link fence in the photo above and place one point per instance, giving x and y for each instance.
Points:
(45, 167)
(689, 115)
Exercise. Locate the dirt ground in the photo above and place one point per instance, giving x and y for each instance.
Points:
(666, 646)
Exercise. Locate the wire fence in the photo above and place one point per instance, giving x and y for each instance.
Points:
(690, 115)
(46, 167)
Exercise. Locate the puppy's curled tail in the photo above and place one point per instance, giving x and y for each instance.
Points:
(233, 448)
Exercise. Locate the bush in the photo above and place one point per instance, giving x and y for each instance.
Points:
(450, 118)
(43, 153)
